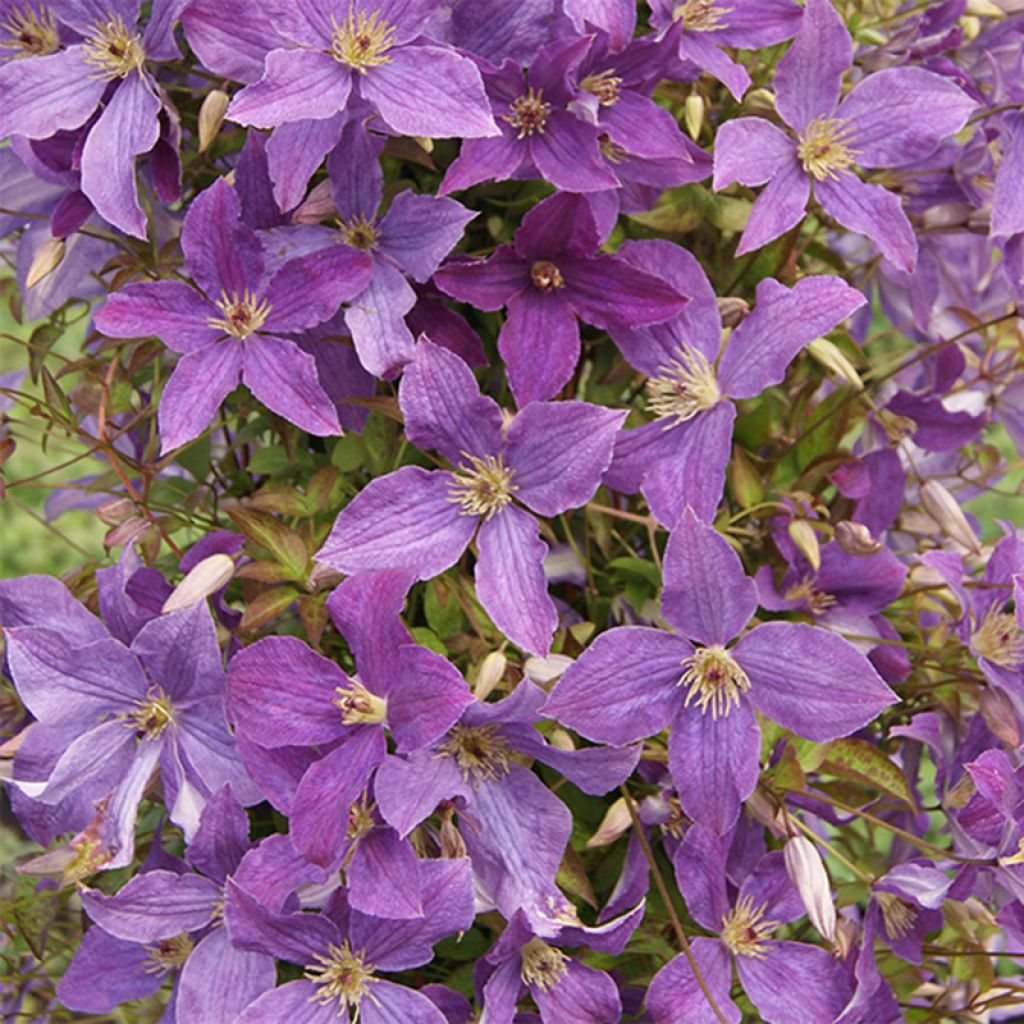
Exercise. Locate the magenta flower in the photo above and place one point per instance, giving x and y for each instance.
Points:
(550, 459)
(634, 681)
(552, 275)
(375, 50)
(229, 328)
(890, 118)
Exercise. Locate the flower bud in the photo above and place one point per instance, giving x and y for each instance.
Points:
(561, 740)
(694, 114)
(115, 511)
(733, 310)
(202, 580)
(211, 117)
(803, 536)
(319, 204)
(321, 577)
(546, 670)
(807, 872)
(856, 539)
(943, 508)
(998, 711)
(615, 823)
(983, 9)
(831, 357)
(46, 260)
(491, 672)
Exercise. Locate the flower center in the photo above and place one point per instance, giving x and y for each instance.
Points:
(542, 965)
(114, 50)
(824, 148)
(360, 820)
(359, 706)
(611, 151)
(343, 976)
(360, 233)
(899, 916)
(528, 113)
(546, 277)
(604, 85)
(241, 315)
(744, 930)
(167, 954)
(715, 680)
(701, 15)
(999, 639)
(478, 750)
(482, 489)
(806, 591)
(30, 31)
(362, 40)
(685, 387)
(152, 716)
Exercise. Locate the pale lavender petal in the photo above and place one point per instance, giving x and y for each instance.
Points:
(595, 770)
(154, 905)
(45, 601)
(284, 379)
(408, 790)
(295, 1002)
(811, 680)
(783, 321)
(901, 115)
(714, 763)
(231, 37)
(426, 699)
(1008, 199)
(420, 230)
(810, 75)
(378, 876)
(376, 321)
(510, 579)
(294, 152)
(431, 91)
(106, 971)
(675, 997)
(703, 50)
(624, 687)
(218, 981)
(405, 520)
(172, 310)
(559, 452)
(873, 211)
(750, 150)
(616, 17)
(540, 344)
(582, 995)
(708, 597)
(179, 652)
(779, 207)
(192, 396)
(395, 1004)
(127, 127)
(795, 983)
(297, 85)
(443, 407)
(94, 762)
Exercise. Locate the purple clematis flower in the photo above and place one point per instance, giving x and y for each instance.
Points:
(703, 27)
(890, 118)
(788, 982)
(344, 951)
(56, 87)
(551, 459)
(514, 827)
(283, 694)
(634, 681)
(171, 918)
(107, 715)
(540, 136)
(230, 327)
(553, 274)
(682, 455)
(374, 50)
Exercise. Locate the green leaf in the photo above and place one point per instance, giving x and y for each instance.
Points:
(861, 762)
(628, 566)
(444, 616)
(281, 541)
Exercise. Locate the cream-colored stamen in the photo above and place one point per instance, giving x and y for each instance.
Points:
(745, 930)
(241, 315)
(685, 387)
(360, 707)
(528, 113)
(715, 680)
(824, 148)
(30, 31)
(342, 975)
(543, 966)
(362, 41)
(114, 50)
(482, 488)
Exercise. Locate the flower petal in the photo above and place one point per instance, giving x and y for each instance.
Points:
(172, 310)
(218, 981)
(540, 344)
(795, 983)
(779, 207)
(420, 230)
(308, 290)
(750, 150)
(675, 997)
(568, 155)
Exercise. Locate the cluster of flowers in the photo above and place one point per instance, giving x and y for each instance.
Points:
(438, 636)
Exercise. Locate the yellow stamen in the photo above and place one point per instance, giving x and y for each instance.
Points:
(167, 954)
(685, 387)
(824, 148)
(701, 15)
(604, 85)
(899, 916)
(744, 930)
(242, 315)
(362, 40)
(360, 233)
(715, 679)
(359, 706)
(482, 489)
(806, 591)
(114, 50)
(30, 31)
(528, 113)
(150, 717)
(479, 752)
(343, 976)
(543, 966)
(999, 639)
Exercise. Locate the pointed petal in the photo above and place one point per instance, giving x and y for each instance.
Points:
(750, 150)
(222, 838)
(408, 790)
(1008, 199)
(218, 981)
(179, 652)
(426, 699)
(106, 971)
(606, 292)
(487, 284)
(675, 997)
(595, 770)
(498, 159)
(540, 344)
(395, 1004)
(623, 687)
(700, 868)
(568, 155)
(45, 601)
(405, 520)
(198, 385)
(295, 1002)
(779, 207)
(173, 310)
(783, 321)
(810, 680)
(376, 321)
(353, 166)
(582, 995)
(795, 984)
(378, 876)
(510, 579)
(714, 763)
(443, 407)
(559, 452)
(309, 290)
(294, 152)
(708, 597)
(420, 230)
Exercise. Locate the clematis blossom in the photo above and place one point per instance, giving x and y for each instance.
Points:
(889, 118)
(634, 681)
(550, 458)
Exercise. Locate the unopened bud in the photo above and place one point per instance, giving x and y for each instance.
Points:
(807, 872)
(845, 940)
(1000, 717)
(211, 117)
(453, 846)
(46, 260)
(856, 539)
(115, 511)
(759, 101)
(321, 577)
(694, 114)
(546, 670)
(803, 536)
(733, 310)
(943, 508)
(561, 740)
(983, 9)
(492, 671)
(831, 357)
(425, 143)
(769, 813)
(319, 205)
(202, 580)
(615, 823)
